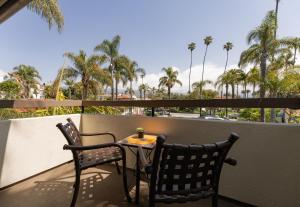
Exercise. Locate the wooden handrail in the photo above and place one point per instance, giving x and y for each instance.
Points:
(292, 103)
(38, 103)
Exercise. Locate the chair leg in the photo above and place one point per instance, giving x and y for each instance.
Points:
(76, 188)
(118, 168)
(125, 180)
(215, 200)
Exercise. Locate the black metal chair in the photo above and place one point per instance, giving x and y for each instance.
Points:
(92, 155)
(182, 173)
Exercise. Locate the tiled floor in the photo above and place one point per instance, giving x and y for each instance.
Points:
(100, 187)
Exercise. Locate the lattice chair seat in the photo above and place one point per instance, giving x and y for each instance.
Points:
(91, 158)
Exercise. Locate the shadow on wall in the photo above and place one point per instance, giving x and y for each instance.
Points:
(4, 131)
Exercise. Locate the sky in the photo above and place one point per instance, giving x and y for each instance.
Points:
(153, 33)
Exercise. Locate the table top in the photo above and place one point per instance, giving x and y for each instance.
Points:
(148, 142)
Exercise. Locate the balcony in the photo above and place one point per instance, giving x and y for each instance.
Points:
(34, 170)
(54, 188)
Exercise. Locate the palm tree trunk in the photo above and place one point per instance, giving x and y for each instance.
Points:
(276, 18)
(28, 91)
(273, 112)
(221, 93)
(190, 72)
(144, 94)
(284, 116)
(295, 54)
(202, 76)
(130, 90)
(232, 90)
(263, 70)
(273, 115)
(84, 92)
(226, 63)
(117, 83)
(226, 95)
(112, 81)
(169, 93)
(253, 92)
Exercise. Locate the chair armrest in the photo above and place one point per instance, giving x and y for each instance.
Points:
(98, 134)
(231, 161)
(91, 147)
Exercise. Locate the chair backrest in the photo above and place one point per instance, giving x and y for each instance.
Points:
(180, 170)
(70, 132)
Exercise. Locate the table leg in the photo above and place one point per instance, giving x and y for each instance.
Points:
(138, 178)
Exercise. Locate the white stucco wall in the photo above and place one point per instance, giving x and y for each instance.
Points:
(30, 146)
(268, 155)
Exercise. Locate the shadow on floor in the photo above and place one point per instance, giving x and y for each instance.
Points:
(99, 187)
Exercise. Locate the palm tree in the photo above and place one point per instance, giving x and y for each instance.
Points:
(294, 43)
(224, 79)
(131, 72)
(276, 18)
(120, 73)
(10, 88)
(242, 78)
(273, 84)
(61, 75)
(49, 11)
(263, 48)
(191, 47)
(253, 78)
(246, 93)
(142, 74)
(70, 87)
(290, 84)
(207, 41)
(27, 77)
(143, 88)
(232, 77)
(228, 46)
(284, 60)
(88, 68)
(110, 50)
(199, 86)
(169, 80)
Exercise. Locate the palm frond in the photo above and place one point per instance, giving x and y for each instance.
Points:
(49, 10)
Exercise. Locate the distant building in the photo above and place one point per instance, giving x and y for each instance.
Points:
(38, 92)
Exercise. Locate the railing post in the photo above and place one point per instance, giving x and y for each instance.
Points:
(152, 111)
